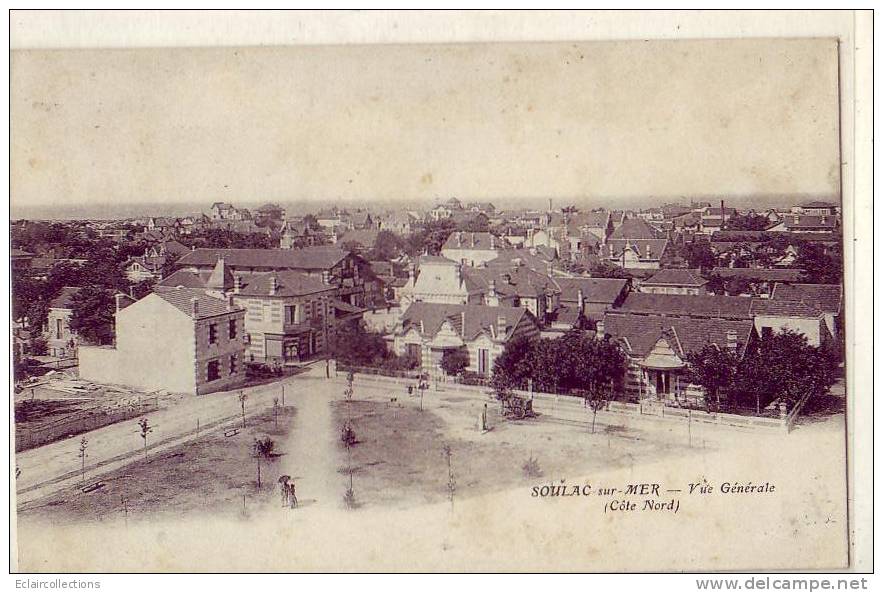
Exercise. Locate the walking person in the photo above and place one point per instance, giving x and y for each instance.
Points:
(292, 495)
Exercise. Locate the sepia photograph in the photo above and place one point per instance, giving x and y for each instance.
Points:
(531, 304)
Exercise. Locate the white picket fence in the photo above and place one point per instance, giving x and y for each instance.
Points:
(573, 409)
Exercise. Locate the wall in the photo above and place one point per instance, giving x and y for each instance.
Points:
(811, 328)
(154, 350)
(59, 346)
(222, 350)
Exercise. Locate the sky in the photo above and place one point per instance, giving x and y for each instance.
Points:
(595, 123)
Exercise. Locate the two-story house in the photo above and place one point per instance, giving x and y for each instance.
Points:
(288, 315)
(60, 340)
(201, 349)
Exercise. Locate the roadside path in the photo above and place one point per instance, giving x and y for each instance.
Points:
(55, 466)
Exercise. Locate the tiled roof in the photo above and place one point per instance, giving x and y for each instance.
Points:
(759, 274)
(595, 290)
(65, 297)
(567, 315)
(288, 283)
(780, 308)
(521, 281)
(827, 297)
(467, 240)
(635, 228)
(615, 247)
(676, 277)
(182, 299)
(519, 257)
(801, 221)
(174, 248)
(684, 334)
(687, 305)
(477, 318)
(184, 278)
(362, 237)
(306, 258)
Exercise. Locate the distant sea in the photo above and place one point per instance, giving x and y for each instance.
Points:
(122, 210)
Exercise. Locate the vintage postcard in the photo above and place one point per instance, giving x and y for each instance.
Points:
(517, 305)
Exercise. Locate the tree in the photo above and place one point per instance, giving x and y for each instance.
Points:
(243, 397)
(699, 255)
(387, 246)
(607, 270)
(353, 344)
(714, 369)
(146, 429)
(820, 266)
(455, 361)
(93, 315)
(511, 367)
(747, 222)
(262, 449)
(84, 444)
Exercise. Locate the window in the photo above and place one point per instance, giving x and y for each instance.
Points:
(213, 370)
(234, 365)
(58, 329)
(232, 329)
(414, 351)
(766, 332)
(482, 361)
(212, 333)
(290, 313)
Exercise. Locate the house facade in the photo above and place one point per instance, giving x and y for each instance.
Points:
(60, 340)
(657, 348)
(288, 315)
(201, 351)
(675, 281)
(473, 249)
(427, 330)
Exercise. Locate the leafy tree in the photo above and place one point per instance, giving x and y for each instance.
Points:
(699, 255)
(607, 270)
(262, 449)
(93, 315)
(714, 369)
(387, 246)
(455, 361)
(511, 368)
(820, 266)
(747, 222)
(353, 344)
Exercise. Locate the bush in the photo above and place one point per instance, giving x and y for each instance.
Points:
(531, 468)
(472, 378)
(454, 362)
(348, 435)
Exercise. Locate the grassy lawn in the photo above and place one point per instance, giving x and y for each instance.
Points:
(209, 474)
(399, 457)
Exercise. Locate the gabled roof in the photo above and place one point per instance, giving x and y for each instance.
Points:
(687, 305)
(477, 318)
(184, 278)
(307, 258)
(826, 297)
(636, 228)
(640, 333)
(676, 277)
(521, 281)
(182, 299)
(803, 221)
(779, 308)
(65, 297)
(595, 290)
(362, 237)
(615, 248)
(759, 274)
(174, 248)
(288, 283)
(468, 240)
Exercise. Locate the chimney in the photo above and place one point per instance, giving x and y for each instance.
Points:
(580, 299)
(501, 326)
(194, 307)
(230, 304)
(647, 250)
(273, 284)
(472, 238)
(459, 237)
(723, 215)
(732, 344)
(118, 298)
(422, 328)
(237, 284)
(599, 328)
